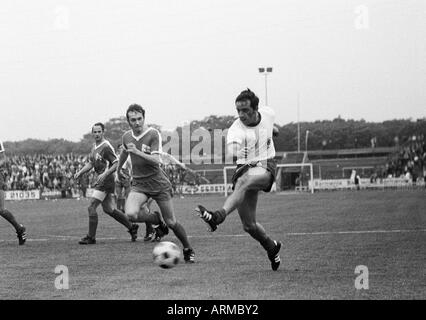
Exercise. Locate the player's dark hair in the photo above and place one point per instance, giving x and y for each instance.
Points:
(100, 125)
(135, 108)
(249, 95)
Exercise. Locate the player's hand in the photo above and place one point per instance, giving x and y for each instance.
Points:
(77, 175)
(131, 148)
(101, 179)
(243, 152)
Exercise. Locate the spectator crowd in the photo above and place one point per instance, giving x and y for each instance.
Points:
(56, 173)
(410, 161)
(46, 172)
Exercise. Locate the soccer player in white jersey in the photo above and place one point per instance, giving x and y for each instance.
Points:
(20, 229)
(250, 139)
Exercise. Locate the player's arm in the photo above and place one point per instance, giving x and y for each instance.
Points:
(121, 160)
(87, 167)
(151, 158)
(152, 155)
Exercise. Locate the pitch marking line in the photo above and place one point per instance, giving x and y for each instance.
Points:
(73, 238)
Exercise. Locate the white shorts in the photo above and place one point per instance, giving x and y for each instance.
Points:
(99, 195)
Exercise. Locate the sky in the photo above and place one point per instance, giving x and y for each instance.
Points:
(65, 65)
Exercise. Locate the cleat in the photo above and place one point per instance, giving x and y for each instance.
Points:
(188, 255)
(161, 230)
(133, 231)
(156, 238)
(150, 236)
(149, 233)
(274, 256)
(207, 217)
(22, 236)
(87, 240)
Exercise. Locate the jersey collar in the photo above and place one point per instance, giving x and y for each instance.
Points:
(141, 135)
(96, 147)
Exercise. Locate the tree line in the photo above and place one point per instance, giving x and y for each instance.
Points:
(319, 135)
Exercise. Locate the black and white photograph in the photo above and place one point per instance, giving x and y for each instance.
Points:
(219, 151)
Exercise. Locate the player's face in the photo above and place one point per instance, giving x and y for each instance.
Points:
(97, 133)
(136, 121)
(245, 112)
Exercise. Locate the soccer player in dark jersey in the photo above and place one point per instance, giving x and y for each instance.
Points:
(250, 139)
(20, 229)
(122, 190)
(149, 180)
(104, 161)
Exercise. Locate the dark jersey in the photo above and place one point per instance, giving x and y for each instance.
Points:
(148, 142)
(102, 157)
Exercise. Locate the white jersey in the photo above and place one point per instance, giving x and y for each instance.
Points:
(257, 139)
(1, 147)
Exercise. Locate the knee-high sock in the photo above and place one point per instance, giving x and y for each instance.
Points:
(259, 234)
(10, 218)
(93, 223)
(121, 218)
(151, 218)
(180, 233)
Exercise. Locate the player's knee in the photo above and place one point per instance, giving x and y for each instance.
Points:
(171, 222)
(242, 183)
(132, 214)
(108, 210)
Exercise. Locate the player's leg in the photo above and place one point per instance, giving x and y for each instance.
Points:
(167, 211)
(257, 178)
(247, 212)
(132, 209)
(119, 191)
(109, 207)
(6, 214)
(150, 234)
(95, 201)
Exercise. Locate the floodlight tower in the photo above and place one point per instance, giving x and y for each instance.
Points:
(266, 72)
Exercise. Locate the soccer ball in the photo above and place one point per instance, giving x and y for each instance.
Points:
(166, 254)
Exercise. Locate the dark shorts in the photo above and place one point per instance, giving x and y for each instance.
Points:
(3, 185)
(108, 186)
(270, 165)
(157, 187)
(122, 188)
(122, 184)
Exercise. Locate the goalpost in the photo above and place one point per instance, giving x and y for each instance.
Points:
(309, 187)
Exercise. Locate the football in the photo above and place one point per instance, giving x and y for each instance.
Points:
(166, 254)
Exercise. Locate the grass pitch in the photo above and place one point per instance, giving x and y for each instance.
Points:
(325, 237)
